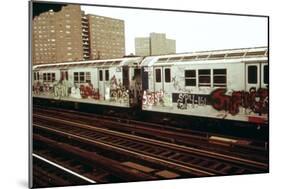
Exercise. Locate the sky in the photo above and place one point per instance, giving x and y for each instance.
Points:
(192, 31)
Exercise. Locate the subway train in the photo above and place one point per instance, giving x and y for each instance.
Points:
(228, 84)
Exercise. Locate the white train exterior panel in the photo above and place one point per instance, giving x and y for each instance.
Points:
(84, 83)
(236, 100)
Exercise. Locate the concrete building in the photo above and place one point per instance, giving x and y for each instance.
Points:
(70, 35)
(142, 46)
(107, 37)
(57, 36)
(155, 44)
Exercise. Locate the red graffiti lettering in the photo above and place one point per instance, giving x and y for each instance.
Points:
(87, 91)
(256, 101)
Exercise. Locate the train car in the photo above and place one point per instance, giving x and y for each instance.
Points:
(114, 82)
(223, 84)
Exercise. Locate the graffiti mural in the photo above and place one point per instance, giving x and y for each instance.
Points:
(118, 92)
(153, 98)
(88, 91)
(75, 92)
(254, 100)
(61, 88)
(186, 100)
(37, 89)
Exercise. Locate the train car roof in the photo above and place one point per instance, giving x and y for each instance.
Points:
(129, 61)
(226, 54)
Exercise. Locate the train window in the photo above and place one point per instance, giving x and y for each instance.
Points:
(188, 58)
(162, 59)
(158, 75)
(34, 76)
(172, 59)
(82, 77)
(125, 76)
(38, 76)
(190, 77)
(219, 77)
(88, 77)
(44, 76)
(256, 53)
(265, 74)
(100, 74)
(48, 76)
(114, 63)
(215, 56)
(66, 75)
(204, 78)
(106, 75)
(202, 56)
(76, 77)
(235, 54)
(252, 74)
(53, 77)
(167, 75)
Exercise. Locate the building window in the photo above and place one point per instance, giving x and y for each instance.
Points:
(252, 74)
(204, 78)
(219, 77)
(190, 77)
(158, 75)
(106, 75)
(167, 75)
(265, 74)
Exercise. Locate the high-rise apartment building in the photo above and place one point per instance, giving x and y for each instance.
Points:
(155, 44)
(107, 38)
(142, 46)
(57, 36)
(70, 35)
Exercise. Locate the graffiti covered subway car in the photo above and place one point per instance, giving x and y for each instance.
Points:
(222, 84)
(104, 82)
(225, 84)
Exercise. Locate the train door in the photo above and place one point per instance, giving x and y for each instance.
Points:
(101, 83)
(167, 77)
(158, 80)
(65, 88)
(125, 76)
(64, 75)
(264, 75)
(253, 80)
(137, 77)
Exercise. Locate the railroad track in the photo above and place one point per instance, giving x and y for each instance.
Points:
(183, 160)
(47, 173)
(254, 150)
(87, 164)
